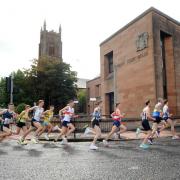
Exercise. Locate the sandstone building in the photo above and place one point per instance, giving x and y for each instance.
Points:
(140, 61)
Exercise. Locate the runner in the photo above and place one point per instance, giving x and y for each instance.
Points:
(67, 126)
(157, 115)
(35, 122)
(95, 126)
(22, 119)
(117, 116)
(168, 121)
(48, 116)
(146, 116)
(7, 116)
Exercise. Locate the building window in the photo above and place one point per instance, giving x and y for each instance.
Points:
(163, 37)
(51, 51)
(111, 102)
(109, 58)
(97, 91)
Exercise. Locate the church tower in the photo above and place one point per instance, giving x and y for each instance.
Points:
(50, 43)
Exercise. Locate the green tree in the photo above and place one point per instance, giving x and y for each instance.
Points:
(81, 95)
(57, 81)
(4, 98)
(47, 78)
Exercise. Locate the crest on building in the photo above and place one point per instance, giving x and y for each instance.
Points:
(142, 41)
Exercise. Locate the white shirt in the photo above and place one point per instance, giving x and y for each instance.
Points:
(165, 111)
(38, 113)
(68, 114)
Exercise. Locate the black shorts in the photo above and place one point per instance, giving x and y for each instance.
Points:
(1, 127)
(165, 118)
(157, 119)
(145, 125)
(32, 122)
(65, 123)
(95, 122)
(20, 124)
(6, 125)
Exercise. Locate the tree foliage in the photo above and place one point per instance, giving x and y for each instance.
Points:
(47, 78)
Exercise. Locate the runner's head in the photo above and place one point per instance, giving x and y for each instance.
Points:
(71, 103)
(160, 100)
(41, 103)
(27, 107)
(165, 102)
(51, 107)
(11, 107)
(147, 102)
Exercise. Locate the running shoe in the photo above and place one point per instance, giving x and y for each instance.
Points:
(56, 139)
(46, 137)
(150, 141)
(144, 146)
(93, 147)
(105, 142)
(22, 141)
(87, 131)
(64, 141)
(116, 137)
(138, 131)
(34, 141)
(175, 137)
(84, 127)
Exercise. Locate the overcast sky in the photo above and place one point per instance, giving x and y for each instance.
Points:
(85, 24)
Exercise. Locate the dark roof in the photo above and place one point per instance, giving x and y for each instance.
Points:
(152, 9)
(94, 79)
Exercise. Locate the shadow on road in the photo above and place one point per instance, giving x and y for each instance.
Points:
(3, 152)
(34, 153)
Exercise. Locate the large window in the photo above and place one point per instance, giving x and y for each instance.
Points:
(97, 91)
(109, 58)
(163, 37)
(51, 51)
(111, 102)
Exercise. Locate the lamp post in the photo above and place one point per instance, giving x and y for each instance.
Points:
(11, 90)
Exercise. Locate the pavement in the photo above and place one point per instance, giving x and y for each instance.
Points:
(120, 161)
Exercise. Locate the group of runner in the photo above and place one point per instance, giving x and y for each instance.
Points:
(160, 114)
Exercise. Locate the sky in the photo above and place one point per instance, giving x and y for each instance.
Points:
(85, 24)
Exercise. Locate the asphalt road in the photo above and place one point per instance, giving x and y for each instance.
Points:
(121, 161)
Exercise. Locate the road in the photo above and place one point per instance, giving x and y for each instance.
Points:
(121, 161)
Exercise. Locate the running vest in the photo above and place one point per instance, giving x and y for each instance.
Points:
(97, 115)
(144, 114)
(166, 111)
(7, 116)
(48, 116)
(38, 113)
(68, 114)
(116, 117)
(23, 117)
(157, 110)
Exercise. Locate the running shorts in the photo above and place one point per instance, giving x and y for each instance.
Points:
(95, 122)
(116, 123)
(20, 124)
(157, 119)
(32, 121)
(145, 125)
(65, 123)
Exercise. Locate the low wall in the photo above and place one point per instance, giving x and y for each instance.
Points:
(106, 123)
